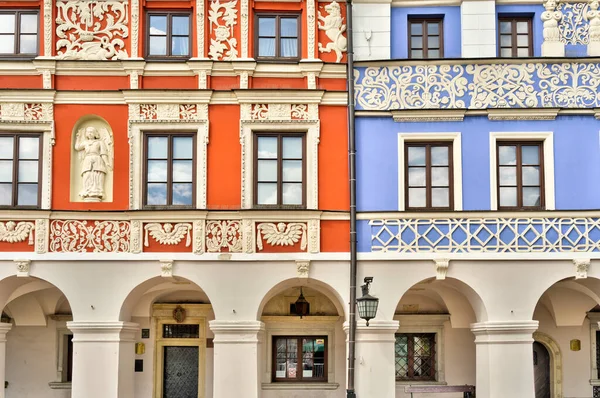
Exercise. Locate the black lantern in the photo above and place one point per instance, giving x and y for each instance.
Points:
(367, 304)
(301, 305)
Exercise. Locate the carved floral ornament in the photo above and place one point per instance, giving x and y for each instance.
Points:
(27, 112)
(168, 111)
(544, 85)
(222, 18)
(92, 29)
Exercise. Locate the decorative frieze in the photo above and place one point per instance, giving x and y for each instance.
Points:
(281, 234)
(16, 231)
(26, 112)
(280, 112)
(168, 234)
(92, 29)
(224, 236)
(573, 25)
(89, 236)
(486, 235)
(552, 45)
(222, 18)
(167, 112)
(473, 86)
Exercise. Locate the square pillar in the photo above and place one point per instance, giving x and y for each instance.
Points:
(103, 359)
(4, 328)
(375, 374)
(236, 350)
(504, 355)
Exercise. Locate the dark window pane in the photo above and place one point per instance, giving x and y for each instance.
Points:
(416, 156)
(179, 331)
(508, 175)
(434, 53)
(266, 26)
(29, 23)
(6, 147)
(440, 177)
(180, 46)
(531, 175)
(523, 52)
(289, 27)
(417, 176)
(531, 197)
(267, 147)
(157, 147)
(508, 197)
(433, 42)
(292, 170)
(505, 27)
(440, 197)
(28, 171)
(28, 44)
(267, 193)
(531, 155)
(267, 170)
(158, 25)
(180, 25)
(439, 155)
(182, 194)
(523, 41)
(292, 147)
(416, 29)
(416, 42)
(157, 170)
(7, 44)
(292, 194)
(158, 45)
(29, 147)
(266, 47)
(6, 170)
(417, 197)
(27, 195)
(417, 54)
(505, 52)
(157, 194)
(5, 194)
(522, 27)
(7, 23)
(507, 155)
(506, 41)
(433, 28)
(289, 48)
(183, 147)
(182, 170)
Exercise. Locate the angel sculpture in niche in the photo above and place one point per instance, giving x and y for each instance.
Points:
(96, 154)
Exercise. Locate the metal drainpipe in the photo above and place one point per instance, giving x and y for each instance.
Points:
(352, 166)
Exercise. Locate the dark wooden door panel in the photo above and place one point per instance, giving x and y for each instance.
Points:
(180, 372)
(541, 370)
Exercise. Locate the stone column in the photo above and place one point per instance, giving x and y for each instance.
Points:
(504, 354)
(4, 328)
(552, 46)
(103, 359)
(374, 369)
(236, 354)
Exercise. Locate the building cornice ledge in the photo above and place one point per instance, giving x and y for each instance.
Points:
(524, 114)
(279, 96)
(167, 96)
(450, 115)
(12, 95)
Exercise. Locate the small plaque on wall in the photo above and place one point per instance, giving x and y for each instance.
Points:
(575, 345)
(145, 333)
(139, 365)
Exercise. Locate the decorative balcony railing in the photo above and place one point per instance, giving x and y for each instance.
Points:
(486, 235)
(462, 84)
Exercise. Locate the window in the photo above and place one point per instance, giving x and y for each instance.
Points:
(20, 169)
(312, 352)
(68, 358)
(280, 169)
(169, 174)
(428, 176)
(520, 175)
(169, 35)
(425, 38)
(415, 357)
(515, 37)
(278, 37)
(18, 33)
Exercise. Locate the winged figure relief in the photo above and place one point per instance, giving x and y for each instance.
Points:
(281, 234)
(168, 234)
(13, 232)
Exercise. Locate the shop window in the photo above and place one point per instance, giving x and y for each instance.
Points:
(299, 359)
(428, 176)
(280, 170)
(425, 38)
(18, 33)
(169, 177)
(415, 357)
(515, 37)
(277, 37)
(20, 170)
(520, 175)
(168, 35)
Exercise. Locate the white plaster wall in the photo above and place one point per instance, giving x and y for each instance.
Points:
(31, 362)
(478, 21)
(372, 31)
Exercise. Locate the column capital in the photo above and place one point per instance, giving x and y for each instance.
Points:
(494, 332)
(236, 331)
(4, 328)
(86, 331)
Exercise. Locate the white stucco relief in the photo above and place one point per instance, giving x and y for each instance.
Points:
(222, 18)
(168, 234)
(96, 157)
(281, 234)
(13, 232)
(92, 29)
(574, 24)
(334, 27)
(552, 45)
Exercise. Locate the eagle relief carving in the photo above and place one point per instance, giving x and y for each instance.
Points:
(168, 234)
(13, 232)
(281, 234)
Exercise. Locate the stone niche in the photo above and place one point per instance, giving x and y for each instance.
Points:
(92, 160)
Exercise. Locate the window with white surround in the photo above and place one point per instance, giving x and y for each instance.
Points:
(418, 182)
(419, 349)
(525, 183)
(64, 360)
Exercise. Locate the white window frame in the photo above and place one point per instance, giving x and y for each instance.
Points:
(455, 139)
(426, 323)
(547, 140)
(311, 128)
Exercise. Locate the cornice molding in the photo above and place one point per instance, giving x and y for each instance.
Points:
(279, 96)
(30, 96)
(167, 96)
(454, 115)
(523, 114)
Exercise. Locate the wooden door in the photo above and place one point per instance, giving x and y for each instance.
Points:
(541, 370)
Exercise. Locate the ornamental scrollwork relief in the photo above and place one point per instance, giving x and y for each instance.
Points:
(28, 112)
(70, 236)
(224, 234)
(92, 29)
(168, 234)
(334, 27)
(574, 26)
(280, 112)
(15, 232)
(168, 112)
(281, 234)
(222, 18)
(569, 85)
(502, 86)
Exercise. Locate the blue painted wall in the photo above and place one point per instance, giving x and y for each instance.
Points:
(576, 159)
(534, 11)
(452, 35)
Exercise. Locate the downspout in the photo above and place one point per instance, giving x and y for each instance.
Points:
(350, 393)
